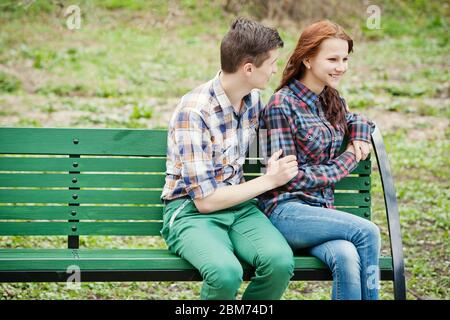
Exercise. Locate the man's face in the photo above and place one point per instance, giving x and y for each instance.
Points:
(260, 76)
(331, 62)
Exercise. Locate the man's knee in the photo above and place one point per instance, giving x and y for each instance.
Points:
(279, 262)
(225, 276)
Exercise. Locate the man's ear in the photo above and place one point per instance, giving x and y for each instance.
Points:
(248, 68)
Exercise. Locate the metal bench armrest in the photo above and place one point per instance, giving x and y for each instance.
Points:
(392, 212)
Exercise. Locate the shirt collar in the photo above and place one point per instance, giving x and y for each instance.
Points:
(304, 93)
(222, 99)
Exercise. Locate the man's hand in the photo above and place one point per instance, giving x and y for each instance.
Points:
(280, 171)
(362, 149)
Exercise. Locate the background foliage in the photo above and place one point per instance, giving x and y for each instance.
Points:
(130, 62)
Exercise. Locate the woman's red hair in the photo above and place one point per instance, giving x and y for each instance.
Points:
(307, 47)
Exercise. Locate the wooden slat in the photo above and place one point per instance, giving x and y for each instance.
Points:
(352, 199)
(105, 164)
(361, 183)
(127, 197)
(363, 168)
(83, 180)
(253, 167)
(127, 181)
(83, 196)
(80, 213)
(101, 164)
(90, 141)
(107, 213)
(354, 183)
(82, 228)
(364, 212)
(121, 259)
(92, 259)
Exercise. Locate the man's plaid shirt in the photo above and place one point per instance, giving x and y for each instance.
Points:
(207, 141)
(294, 121)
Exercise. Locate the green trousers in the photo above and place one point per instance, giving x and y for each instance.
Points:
(215, 242)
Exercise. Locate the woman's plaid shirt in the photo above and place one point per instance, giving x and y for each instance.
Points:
(207, 141)
(294, 121)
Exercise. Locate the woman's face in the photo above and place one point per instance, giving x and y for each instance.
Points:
(330, 63)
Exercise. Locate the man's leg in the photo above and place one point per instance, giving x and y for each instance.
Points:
(257, 242)
(202, 239)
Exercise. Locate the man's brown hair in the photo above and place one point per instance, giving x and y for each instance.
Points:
(247, 42)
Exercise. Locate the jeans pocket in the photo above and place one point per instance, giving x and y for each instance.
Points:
(177, 212)
(170, 216)
(275, 215)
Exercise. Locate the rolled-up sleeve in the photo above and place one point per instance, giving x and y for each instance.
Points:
(193, 141)
(359, 127)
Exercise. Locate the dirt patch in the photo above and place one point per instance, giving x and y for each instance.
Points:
(49, 112)
(418, 127)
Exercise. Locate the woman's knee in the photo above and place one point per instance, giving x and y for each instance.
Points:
(372, 232)
(345, 257)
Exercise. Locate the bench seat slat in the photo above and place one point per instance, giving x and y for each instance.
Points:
(119, 259)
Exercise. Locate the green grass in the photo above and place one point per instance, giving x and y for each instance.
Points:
(132, 60)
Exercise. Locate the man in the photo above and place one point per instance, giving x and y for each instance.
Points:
(211, 218)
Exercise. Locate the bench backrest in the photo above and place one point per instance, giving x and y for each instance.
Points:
(78, 182)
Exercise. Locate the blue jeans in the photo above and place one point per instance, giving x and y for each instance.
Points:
(348, 244)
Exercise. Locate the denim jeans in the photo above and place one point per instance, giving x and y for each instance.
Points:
(348, 244)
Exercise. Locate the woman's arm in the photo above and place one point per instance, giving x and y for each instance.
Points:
(360, 130)
(280, 135)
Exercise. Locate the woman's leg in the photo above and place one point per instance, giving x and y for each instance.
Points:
(306, 226)
(343, 260)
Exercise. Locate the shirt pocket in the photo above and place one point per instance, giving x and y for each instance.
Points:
(311, 143)
(223, 150)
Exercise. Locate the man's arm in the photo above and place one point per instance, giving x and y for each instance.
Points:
(279, 172)
(193, 141)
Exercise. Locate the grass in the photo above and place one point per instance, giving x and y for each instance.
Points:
(132, 60)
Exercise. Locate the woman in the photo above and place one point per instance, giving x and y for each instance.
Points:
(307, 118)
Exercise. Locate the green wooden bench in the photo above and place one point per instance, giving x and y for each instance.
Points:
(105, 182)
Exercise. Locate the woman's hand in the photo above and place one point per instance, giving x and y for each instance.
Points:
(351, 148)
(362, 149)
